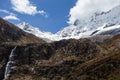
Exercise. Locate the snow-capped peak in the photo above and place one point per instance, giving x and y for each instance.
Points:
(27, 27)
(48, 36)
(98, 21)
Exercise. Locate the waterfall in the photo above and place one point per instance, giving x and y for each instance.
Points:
(10, 64)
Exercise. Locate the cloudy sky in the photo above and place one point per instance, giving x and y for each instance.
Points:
(48, 15)
(85, 8)
(51, 15)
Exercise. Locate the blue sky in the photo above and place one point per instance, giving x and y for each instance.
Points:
(48, 15)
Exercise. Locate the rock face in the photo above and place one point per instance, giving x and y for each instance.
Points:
(82, 59)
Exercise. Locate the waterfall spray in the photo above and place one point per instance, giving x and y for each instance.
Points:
(9, 64)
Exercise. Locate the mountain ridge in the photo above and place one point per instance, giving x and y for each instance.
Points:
(66, 59)
(47, 36)
(72, 59)
(109, 18)
(80, 29)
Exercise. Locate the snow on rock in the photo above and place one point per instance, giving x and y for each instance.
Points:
(48, 36)
(113, 30)
(98, 19)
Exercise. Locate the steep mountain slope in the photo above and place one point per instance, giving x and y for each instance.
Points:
(83, 28)
(10, 36)
(9, 33)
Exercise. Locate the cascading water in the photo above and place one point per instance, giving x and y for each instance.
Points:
(10, 64)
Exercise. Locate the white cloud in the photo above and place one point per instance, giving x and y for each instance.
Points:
(25, 7)
(10, 16)
(43, 13)
(83, 8)
(7, 12)
(4, 11)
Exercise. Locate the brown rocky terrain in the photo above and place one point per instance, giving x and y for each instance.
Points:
(83, 59)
